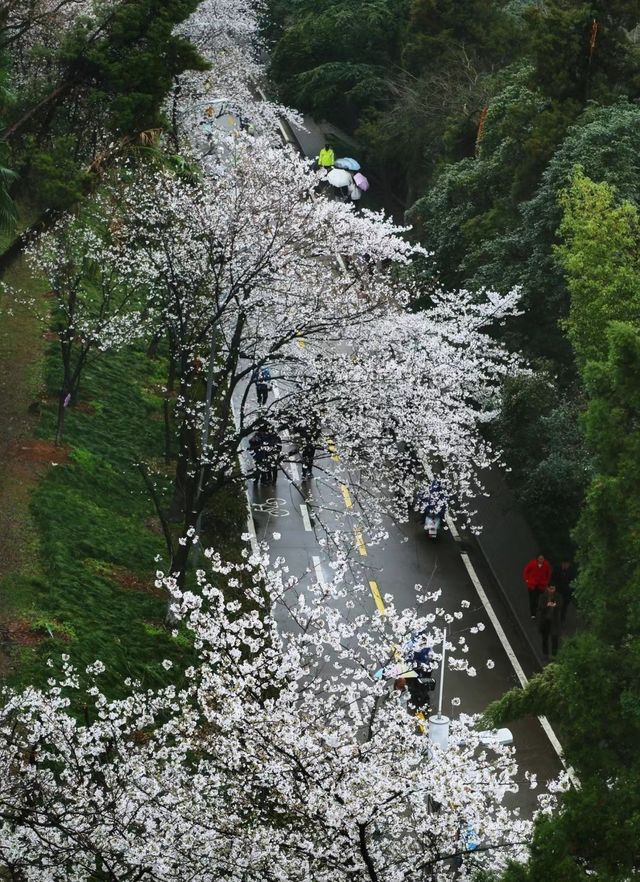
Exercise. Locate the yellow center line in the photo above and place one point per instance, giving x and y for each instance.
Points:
(300, 342)
(331, 447)
(377, 597)
(362, 548)
(346, 495)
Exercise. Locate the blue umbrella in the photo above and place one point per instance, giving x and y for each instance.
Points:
(347, 162)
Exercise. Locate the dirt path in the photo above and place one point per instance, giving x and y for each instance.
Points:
(21, 355)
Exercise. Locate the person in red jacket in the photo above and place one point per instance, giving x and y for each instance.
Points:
(537, 575)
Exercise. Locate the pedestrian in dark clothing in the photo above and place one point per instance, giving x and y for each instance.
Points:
(260, 453)
(308, 456)
(537, 575)
(563, 576)
(307, 434)
(273, 448)
(549, 619)
(262, 378)
(420, 689)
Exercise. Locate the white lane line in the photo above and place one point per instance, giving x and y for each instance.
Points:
(317, 566)
(251, 527)
(305, 517)
(517, 667)
(452, 528)
(515, 664)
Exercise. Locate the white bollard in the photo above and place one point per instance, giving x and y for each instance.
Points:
(439, 730)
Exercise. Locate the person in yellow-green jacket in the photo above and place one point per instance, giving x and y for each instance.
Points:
(326, 157)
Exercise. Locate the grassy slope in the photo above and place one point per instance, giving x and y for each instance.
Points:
(21, 366)
(91, 579)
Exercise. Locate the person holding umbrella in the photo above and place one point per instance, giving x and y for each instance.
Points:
(355, 193)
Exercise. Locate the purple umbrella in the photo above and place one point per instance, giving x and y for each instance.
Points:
(360, 181)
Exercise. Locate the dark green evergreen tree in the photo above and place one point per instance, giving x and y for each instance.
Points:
(95, 91)
(592, 692)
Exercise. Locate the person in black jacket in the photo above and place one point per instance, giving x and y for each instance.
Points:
(549, 619)
(563, 576)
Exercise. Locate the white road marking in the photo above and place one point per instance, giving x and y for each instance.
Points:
(515, 664)
(452, 528)
(251, 527)
(295, 472)
(305, 517)
(317, 566)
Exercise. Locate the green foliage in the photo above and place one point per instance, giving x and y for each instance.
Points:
(550, 467)
(105, 80)
(436, 28)
(472, 201)
(593, 690)
(56, 182)
(605, 143)
(331, 57)
(574, 64)
(133, 64)
(599, 256)
(95, 547)
(8, 213)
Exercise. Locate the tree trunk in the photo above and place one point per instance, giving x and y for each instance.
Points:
(20, 242)
(152, 349)
(167, 430)
(61, 412)
(53, 96)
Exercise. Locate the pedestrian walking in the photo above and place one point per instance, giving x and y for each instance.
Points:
(326, 157)
(307, 435)
(355, 193)
(420, 689)
(273, 449)
(549, 620)
(537, 575)
(259, 450)
(262, 378)
(563, 576)
(308, 456)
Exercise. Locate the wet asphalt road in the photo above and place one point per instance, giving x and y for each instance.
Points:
(408, 558)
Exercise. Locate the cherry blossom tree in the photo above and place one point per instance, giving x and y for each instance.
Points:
(91, 310)
(279, 756)
(239, 272)
(226, 35)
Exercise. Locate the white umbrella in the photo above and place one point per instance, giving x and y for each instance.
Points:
(394, 671)
(337, 177)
